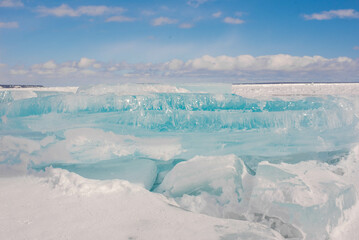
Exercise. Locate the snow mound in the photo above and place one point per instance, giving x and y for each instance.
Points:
(72, 183)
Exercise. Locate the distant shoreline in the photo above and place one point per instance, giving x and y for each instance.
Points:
(20, 86)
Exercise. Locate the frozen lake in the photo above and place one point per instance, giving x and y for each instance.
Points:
(189, 161)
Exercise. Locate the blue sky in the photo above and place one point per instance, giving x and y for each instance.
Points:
(169, 40)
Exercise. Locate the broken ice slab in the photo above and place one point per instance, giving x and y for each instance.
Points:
(308, 195)
(139, 171)
(202, 174)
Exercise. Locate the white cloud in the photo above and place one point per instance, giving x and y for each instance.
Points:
(174, 64)
(356, 47)
(120, 19)
(196, 3)
(64, 70)
(98, 10)
(11, 3)
(86, 62)
(9, 25)
(326, 15)
(88, 72)
(231, 20)
(85, 66)
(50, 65)
(65, 10)
(163, 20)
(186, 25)
(47, 66)
(18, 71)
(217, 14)
(97, 65)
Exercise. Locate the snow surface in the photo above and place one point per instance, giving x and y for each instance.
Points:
(62, 205)
(180, 162)
(298, 89)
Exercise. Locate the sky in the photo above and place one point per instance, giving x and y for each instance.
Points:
(60, 43)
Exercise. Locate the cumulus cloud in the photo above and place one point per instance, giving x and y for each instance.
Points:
(86, 62)
(18, 71)
(196, 3)
(327, 15)
(186, 25)
(88, 72)
(217, 14)
(231, 20)
(50, 65)
(9, 25)
(46, 68)
(356, 47)
(174, 64)
(11, 3)
(50, 68)
(163, 21)
(120, 19)
(65, 10)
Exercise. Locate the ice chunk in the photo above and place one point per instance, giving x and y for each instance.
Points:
(348, 227)
(18, 95)
(139, 171)
(90, 145)
(96, 144)
(285, 229)
(16, 153)
(16, 150)
(307, 199)
(308, 195)
(71, 183)
(213, 185)
(202, 173)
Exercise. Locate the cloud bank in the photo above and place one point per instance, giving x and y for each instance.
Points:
(243, 68)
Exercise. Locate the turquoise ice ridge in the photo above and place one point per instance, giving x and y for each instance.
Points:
(185, 112)
(277, 162)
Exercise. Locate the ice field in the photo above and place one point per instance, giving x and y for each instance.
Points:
(190, 161)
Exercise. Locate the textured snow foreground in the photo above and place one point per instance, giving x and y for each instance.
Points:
(180, 162)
